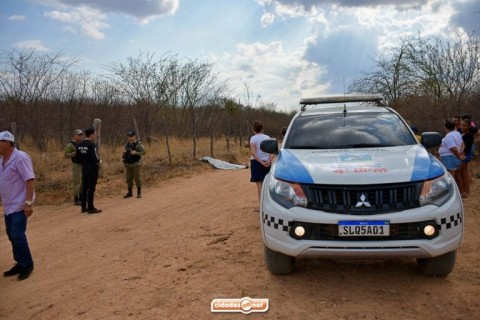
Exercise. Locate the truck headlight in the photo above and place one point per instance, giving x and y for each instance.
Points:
(287, 194)
(437, 191)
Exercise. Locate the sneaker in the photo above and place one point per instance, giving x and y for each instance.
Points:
(94, 210)
(25, 273)
(16, 269)
(84, 210)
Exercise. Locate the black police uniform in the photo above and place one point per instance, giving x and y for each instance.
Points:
(88, 157)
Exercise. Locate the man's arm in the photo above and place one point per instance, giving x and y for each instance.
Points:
(139, 149)
(30, 191)
(94, 154)
(70, 151)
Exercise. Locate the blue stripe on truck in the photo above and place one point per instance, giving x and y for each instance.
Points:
(426, 166)
(289, 168)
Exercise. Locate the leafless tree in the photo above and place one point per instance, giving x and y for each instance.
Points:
(114, 109)
(446, 73)
(199, 86)
(137, 79)
(154, 85)
(26, 76)
(391, 77)
(48, 98)
(231, 110)
(67, 97)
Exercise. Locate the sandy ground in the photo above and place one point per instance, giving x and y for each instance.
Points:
(194, 239)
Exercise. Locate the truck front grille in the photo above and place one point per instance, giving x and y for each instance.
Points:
(363, 200)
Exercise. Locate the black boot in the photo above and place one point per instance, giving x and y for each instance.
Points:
(139, 192)
(129, 193)
(76, 200)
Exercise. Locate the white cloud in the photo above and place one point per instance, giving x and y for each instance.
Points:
(17, 18)
(288, 10)
(90, 15)
(295, 8)
(142, 10)
(90, 21)
(283, 76)
(267, 19)
(432, 19)
(31, 44)
(347, 35)
(93, 29)
(61, 16)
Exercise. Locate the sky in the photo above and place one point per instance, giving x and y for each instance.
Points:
(278, 51)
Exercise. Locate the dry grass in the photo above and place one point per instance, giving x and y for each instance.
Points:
(53, 172)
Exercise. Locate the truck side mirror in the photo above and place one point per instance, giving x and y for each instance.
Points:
(269, 146)
(431, 139)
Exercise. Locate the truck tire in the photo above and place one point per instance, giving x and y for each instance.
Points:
(278, 263)
(440, 266)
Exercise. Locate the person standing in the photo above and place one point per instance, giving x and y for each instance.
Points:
(468, 149)
(457, 121)
(70, 153)
(450, 148)
(259, 161)
(88, 157)
(132, 158)
(17, 193)
(417, 135)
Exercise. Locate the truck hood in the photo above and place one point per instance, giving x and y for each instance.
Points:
(357, 167)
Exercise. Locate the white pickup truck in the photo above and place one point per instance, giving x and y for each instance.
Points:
(352, 181)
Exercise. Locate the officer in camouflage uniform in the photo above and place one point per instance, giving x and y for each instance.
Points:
(70, 153)
(132, 159)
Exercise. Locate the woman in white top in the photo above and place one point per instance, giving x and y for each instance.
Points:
(450, 147)
(259, 161)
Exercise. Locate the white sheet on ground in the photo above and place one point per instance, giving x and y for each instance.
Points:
(220, 164)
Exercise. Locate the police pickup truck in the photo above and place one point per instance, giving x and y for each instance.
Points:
(352, 181)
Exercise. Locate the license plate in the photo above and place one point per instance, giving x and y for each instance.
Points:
(379, 228)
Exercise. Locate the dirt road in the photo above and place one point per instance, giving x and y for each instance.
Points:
(194, 239)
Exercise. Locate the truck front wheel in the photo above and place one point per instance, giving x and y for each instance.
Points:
(440, 266)
(278, 263)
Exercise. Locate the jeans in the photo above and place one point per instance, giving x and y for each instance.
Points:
(16, 225)
(450, 162)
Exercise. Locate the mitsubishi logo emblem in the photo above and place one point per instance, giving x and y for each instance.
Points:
(363, 202)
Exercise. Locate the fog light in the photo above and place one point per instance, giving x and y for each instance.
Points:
(299, 231)
(429, 230)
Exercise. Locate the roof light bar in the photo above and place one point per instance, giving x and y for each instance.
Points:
(341, 98)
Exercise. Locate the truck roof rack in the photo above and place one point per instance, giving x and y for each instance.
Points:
(342, 98)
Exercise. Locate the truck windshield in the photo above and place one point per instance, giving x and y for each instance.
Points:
(355, 130)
